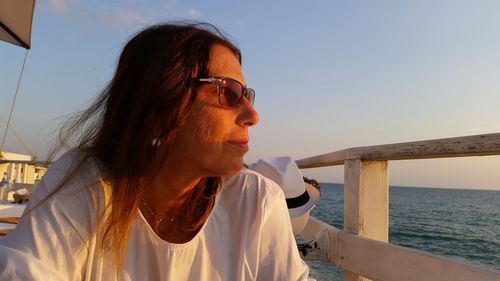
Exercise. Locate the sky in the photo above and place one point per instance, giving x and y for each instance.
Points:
(328, 75)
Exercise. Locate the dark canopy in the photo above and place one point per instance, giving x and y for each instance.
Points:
(16, 17)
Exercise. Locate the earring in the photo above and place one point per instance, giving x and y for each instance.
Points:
(156, 142)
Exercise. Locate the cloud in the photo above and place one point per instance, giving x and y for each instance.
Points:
(193, 13)
(484, 128)
(122, 16)
(60, 6)
(103, 14)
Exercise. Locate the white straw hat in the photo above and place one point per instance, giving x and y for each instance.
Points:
(301, 197)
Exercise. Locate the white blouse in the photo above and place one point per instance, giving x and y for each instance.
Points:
(247, 236)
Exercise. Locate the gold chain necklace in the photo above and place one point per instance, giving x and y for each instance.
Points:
(153, 215)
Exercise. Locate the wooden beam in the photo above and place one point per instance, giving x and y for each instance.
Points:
(366, 202)
(13, 220)
(28, 162)
(382, 261)
(477, 145)
(328, 159)
(325, 238)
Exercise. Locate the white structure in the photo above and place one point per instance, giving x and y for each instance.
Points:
(20, 168)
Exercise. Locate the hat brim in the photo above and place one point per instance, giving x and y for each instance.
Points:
(313, 199)
(299, 222)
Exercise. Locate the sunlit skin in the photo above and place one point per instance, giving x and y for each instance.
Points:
(211, 142)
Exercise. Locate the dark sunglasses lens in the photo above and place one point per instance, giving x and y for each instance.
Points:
(230, 94)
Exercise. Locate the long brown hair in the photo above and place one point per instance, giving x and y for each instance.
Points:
(149, 96)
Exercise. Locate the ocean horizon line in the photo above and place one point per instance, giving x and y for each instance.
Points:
(427, 187)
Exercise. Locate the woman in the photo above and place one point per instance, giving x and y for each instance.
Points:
(154, 189)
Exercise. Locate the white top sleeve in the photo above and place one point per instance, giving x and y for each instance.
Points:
(50, 239)
(280, 259)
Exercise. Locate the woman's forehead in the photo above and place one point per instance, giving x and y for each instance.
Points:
(224, 63)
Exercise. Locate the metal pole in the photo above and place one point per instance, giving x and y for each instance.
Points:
(14, 101)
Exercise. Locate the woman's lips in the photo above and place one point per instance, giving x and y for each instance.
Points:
(241, 144)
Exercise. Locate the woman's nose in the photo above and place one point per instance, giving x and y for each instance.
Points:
(247, 116)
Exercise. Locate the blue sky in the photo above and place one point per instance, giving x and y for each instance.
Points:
(328, 74)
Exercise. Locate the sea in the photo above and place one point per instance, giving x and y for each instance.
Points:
(460, 224)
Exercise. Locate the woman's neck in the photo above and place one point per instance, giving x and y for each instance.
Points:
(165, 206)
(169, 191)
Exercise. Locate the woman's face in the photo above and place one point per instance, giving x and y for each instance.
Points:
(213, 139)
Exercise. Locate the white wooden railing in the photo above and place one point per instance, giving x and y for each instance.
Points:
(362, 247)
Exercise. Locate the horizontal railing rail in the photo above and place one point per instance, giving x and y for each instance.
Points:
(383, 261)
(478, 145)
(29, 162)
(362, 247)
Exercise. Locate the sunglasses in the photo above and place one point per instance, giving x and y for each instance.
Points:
(230, 91)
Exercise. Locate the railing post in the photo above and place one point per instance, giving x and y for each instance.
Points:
(366, 204)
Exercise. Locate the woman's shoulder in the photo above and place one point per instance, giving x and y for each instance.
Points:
(249, 183)
(74, 165)
(67, 179)
(60, 168)
(250, 198)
